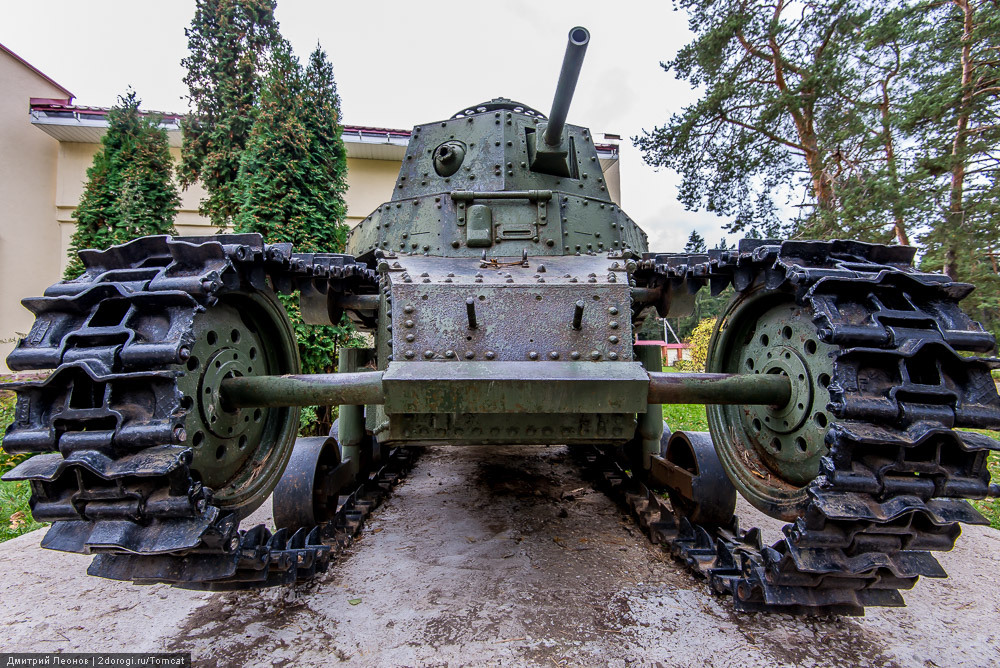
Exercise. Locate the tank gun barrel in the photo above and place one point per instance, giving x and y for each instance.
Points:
(576, 48)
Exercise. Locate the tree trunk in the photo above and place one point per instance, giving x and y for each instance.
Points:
(890, 160)
(956, 211)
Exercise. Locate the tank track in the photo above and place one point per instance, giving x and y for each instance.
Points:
(120, 485)
(893, 486)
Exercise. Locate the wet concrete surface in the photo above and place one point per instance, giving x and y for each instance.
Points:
(500, 557)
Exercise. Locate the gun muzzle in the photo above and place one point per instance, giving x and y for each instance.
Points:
(576, 48)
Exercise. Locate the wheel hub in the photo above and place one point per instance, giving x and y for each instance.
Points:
(772, 452)
(237, 452)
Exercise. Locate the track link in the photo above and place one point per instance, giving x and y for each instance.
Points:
(894, 485)
(121, 486)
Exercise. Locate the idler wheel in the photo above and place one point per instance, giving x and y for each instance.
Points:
(711, 498)
(308, 491)
(772, 453)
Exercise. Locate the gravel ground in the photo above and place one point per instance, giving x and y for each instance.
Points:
(500, 557)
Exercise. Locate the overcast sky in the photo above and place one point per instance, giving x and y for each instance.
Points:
(398, 64)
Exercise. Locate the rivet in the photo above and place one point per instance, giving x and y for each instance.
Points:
(613, 356)
(407, 309)
(469, 355)
(554, 355)
(428, 354)
(408, 324)
(532, 355)
(449, 353)
(613, 310)
(408, 354)
(490, 354)
(410, 338)
(595, 355)
(613, 324)
(575, 355)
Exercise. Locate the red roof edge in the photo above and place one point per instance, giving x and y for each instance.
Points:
(43, 75)
(49, 102)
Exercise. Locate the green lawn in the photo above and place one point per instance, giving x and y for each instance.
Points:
(15, 516)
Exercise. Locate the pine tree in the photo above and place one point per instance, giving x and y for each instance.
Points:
(129, 191)
(954, 114)
(773, 73)
(231, 45)
(695, 243)
(292, 180)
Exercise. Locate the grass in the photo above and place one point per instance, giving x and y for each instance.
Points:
(692, 417)
(990, 508)
(685, 417)
(15, 515)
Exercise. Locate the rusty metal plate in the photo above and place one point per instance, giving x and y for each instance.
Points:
(519, 312)
(515, 387)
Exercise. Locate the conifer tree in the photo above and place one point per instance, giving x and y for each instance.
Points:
(954, 112)
(231, 45)
(695, 243)
(292, 180)
(129, 191)
(772, 74)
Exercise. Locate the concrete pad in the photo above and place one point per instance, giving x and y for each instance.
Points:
(493, 556)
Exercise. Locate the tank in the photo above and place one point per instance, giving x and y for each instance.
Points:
(501, 286)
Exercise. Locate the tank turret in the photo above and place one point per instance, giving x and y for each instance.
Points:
(501, 178)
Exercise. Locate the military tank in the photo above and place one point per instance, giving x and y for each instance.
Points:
(502, 286)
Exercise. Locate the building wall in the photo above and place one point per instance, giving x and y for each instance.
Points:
(29, 236)
(370, 182)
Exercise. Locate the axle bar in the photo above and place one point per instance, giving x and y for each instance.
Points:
(360, 388)
(719, 388)
(324, 389)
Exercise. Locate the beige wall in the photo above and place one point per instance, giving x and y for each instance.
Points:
(29, 236)
(71, 175)
(369, 182)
